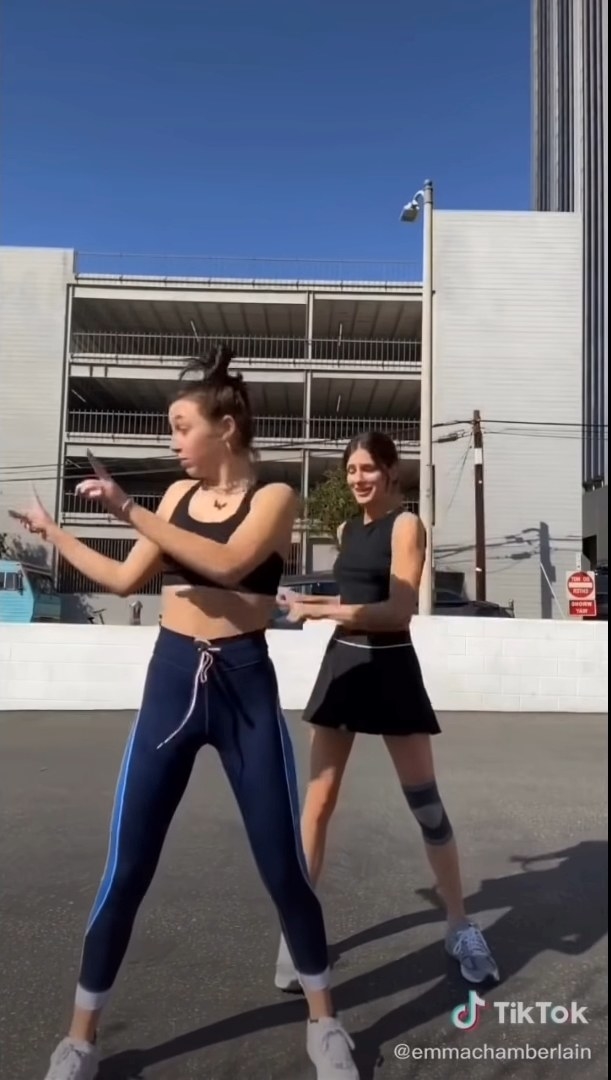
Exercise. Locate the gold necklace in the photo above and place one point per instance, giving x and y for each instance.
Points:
(228, 489)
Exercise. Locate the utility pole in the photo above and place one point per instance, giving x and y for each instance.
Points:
(480, 513)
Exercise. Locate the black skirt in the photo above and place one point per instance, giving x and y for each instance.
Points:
(371, 684)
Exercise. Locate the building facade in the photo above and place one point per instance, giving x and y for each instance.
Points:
(570, 155)
(90, 360)
(507, 334)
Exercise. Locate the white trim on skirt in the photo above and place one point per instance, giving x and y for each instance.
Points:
(360, 645)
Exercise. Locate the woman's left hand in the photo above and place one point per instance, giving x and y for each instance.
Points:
(35, 519)
(297, 608)
(290, 605)
(297, 612)
(104, 489)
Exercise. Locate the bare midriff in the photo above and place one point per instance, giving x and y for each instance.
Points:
(207, 613)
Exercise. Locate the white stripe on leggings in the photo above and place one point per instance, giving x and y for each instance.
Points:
(309, 982)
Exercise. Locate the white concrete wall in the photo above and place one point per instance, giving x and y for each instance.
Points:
(508, 341)
(33, 298)
(469, 664)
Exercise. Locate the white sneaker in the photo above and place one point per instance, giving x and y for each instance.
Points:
(329, 1047)
(74, 1060)
(468, 946)
(286, 978)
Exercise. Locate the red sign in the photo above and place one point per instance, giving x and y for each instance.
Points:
(581, 592)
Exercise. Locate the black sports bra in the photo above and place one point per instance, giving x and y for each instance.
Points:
(262, 581)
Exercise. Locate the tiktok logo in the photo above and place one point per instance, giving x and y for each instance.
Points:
(466, 1017)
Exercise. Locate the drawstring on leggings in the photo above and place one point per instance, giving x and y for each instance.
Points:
(206, 661)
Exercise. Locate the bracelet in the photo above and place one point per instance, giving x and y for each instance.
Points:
(127, 505)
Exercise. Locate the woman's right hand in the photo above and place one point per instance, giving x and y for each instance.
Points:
(102, 488)
(35, 519)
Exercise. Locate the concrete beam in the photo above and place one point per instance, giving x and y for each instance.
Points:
(189, 293)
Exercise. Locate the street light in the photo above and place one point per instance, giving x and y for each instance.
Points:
(409, 214)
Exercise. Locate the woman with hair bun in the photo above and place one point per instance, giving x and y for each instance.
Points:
(370, 682)
(220, 540)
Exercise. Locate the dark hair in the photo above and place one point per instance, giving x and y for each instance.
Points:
(218, 393)
(379, 446)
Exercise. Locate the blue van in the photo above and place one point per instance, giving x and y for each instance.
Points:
(27, 593)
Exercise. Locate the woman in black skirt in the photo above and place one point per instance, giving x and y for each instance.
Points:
(370, 682)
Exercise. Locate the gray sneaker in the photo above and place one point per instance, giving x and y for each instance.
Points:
(329, 1047)
(468, 946)
(286, 978)
(74, 1060)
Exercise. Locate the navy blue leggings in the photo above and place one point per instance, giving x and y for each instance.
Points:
(223, 693)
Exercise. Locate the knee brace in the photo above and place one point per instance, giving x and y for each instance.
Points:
(427, 807)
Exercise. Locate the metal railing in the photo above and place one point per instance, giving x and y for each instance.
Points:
(74, 505)
(118, 425)
(175, 350)
(340, 429)
(289, 430)
(71, 581)
(217, 269)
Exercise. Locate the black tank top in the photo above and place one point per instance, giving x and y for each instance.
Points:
(262, 581)
(362, 568)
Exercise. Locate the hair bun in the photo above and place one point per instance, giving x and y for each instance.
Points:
(214, 367)
(217, 363)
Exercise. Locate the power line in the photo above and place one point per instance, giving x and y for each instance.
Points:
(549, 423)
(51, 472)
(461, 469)
(79, 475)
(442, 424)
(71, 461)
(29, 473)
(556, 436)
(529, 423)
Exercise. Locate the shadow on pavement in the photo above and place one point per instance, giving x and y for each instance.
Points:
(562, 909)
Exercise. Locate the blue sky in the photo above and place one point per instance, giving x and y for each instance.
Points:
(265, 129)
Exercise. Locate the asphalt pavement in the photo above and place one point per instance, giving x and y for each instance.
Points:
(527, 796)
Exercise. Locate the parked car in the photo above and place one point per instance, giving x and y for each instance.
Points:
(451, 603)
(447, 602)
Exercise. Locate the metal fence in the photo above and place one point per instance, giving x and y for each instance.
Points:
(285, 430)
(74, 505)
(71, 581)
(389, 274)
(340, 429)
(175, 350)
